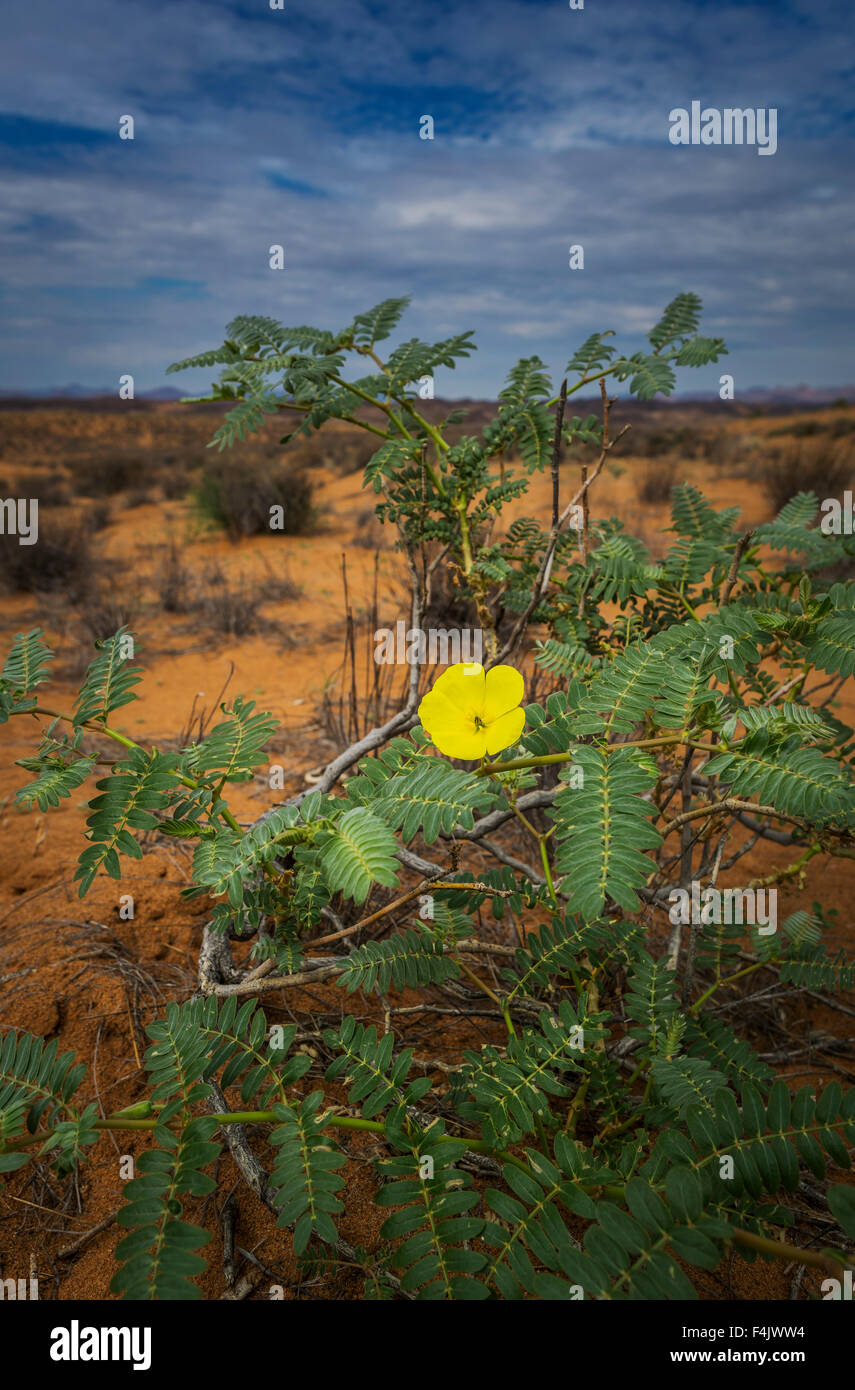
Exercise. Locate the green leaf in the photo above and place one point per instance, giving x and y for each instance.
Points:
(26, 665)
(360, 851)
(680, 320)
(602, 830)
(405, 960)
(305, 1175)
(109, 682)
(377, 323)
(234, 747)
(841, 1201)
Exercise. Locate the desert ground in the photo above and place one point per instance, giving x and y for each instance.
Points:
(286, 620)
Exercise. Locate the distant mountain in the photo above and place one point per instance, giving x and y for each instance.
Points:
(479, 411)
(797, 395)
(74, 391)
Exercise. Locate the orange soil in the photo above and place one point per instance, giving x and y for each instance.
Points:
(74, 970)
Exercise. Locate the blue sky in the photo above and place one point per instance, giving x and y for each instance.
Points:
(300, 126)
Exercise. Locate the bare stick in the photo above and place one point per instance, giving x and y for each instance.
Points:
(556, 449)
(546, 564)
(228, 1216)
(741, 547)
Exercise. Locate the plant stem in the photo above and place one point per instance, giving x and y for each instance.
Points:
(546, 759)
(831, 1263)
(615, 1192)
(465, 542)
(130, 744)
(123, 1121)
(476, 979)
(547, 872)
(726, 980)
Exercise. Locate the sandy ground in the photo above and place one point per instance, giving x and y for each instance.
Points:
(74, 970)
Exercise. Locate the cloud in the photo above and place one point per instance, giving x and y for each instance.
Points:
(255, 127)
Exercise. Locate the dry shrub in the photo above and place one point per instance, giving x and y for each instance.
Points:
(51, 489)
(278, 584)
(107, 472)
(174, 581)
(60, 561)
(105, 613)
(370, 533)
(799, 429)
(816, 465)
(685, 440)
(342, 451)
(99, 515)
(233, 611)
(728, 450)
(238, 497)
(350, 453)
(175, 483)
(655, 483)
(235, 607)
(137, 497)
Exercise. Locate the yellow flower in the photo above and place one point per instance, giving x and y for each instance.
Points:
(469, 712)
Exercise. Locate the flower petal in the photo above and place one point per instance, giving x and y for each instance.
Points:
(463, 685)
(505, 689)
(450, 729)
(505, 730)
(435, 709)
(457, 738)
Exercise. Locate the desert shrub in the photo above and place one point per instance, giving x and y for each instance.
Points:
(230, 608)
(615, 1076)
(818, 466)
(725, 449)
(369, 533)
(654, 484)
(276, 581)
(174, 579)
(175, 483)
(348, 453)
(51, 489)
(806, 429)
(137, 497)
(226, 604)
(60, 561)
(685, 440)
(239, 499)
(234, 605)
(341, 451)
(99, 515)
(308, 453)
(105, 612)
(105, 473)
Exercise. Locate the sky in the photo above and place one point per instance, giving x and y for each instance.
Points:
(300, 127)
